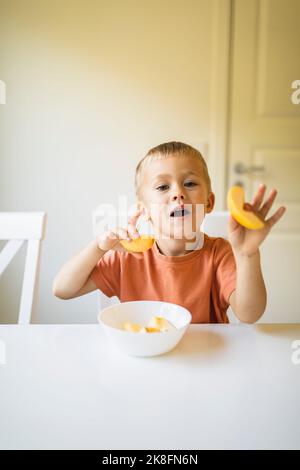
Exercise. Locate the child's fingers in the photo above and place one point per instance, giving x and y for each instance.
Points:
(133, 219)
(269, 202)
(126, 234)
(123, 234)
(132, 224)
(275, 217)
(258, 197)
(232, 224)
(259, 214)
(248, 207)
(134, 234)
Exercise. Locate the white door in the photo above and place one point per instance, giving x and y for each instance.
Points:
(264, 134)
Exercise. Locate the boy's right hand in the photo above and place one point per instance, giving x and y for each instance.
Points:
(110, 240)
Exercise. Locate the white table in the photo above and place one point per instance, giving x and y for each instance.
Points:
(224, 386)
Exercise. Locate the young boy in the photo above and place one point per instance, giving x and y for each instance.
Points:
(206, 279)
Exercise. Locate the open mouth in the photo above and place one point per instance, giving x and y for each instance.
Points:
(180, 213)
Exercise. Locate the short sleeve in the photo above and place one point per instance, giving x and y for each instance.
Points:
(106, 274)
(225, 271)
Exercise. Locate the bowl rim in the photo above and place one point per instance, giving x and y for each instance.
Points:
(101, 322)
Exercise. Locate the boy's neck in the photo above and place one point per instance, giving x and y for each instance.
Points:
(171, 247)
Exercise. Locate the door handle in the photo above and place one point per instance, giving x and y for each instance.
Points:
(242, 169)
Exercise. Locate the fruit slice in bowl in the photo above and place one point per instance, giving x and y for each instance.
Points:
(155, 325)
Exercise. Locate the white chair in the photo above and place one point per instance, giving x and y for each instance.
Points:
(214, 225)
(18, 228)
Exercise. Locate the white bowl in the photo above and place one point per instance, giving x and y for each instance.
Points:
(140, 311)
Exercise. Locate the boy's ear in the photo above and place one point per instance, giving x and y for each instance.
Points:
(210, 203)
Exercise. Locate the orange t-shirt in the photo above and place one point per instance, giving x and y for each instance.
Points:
(200, 281)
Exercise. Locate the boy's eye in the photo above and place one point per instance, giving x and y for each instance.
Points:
(162, 187)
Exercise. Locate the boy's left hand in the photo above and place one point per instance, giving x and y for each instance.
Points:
(245, 241)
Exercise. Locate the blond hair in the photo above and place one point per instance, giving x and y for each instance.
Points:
(165, 150)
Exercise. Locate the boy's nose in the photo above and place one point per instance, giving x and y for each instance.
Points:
(178, 196)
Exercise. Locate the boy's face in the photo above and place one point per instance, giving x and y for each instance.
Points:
(167, 184)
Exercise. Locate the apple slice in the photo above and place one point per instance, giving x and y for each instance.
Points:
(141, 244)
(235, 202)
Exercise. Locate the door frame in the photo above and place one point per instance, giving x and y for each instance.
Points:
(220, 98)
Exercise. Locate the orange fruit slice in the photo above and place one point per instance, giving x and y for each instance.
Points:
(149, 329)
(133, 327)
(136, 328)
(155, 325)
(160, 323)
(141, 244)
(235, 202)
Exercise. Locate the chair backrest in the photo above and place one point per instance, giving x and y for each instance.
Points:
(18, 228)
(214, 224)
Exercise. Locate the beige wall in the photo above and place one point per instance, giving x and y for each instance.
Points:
(91, 86)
